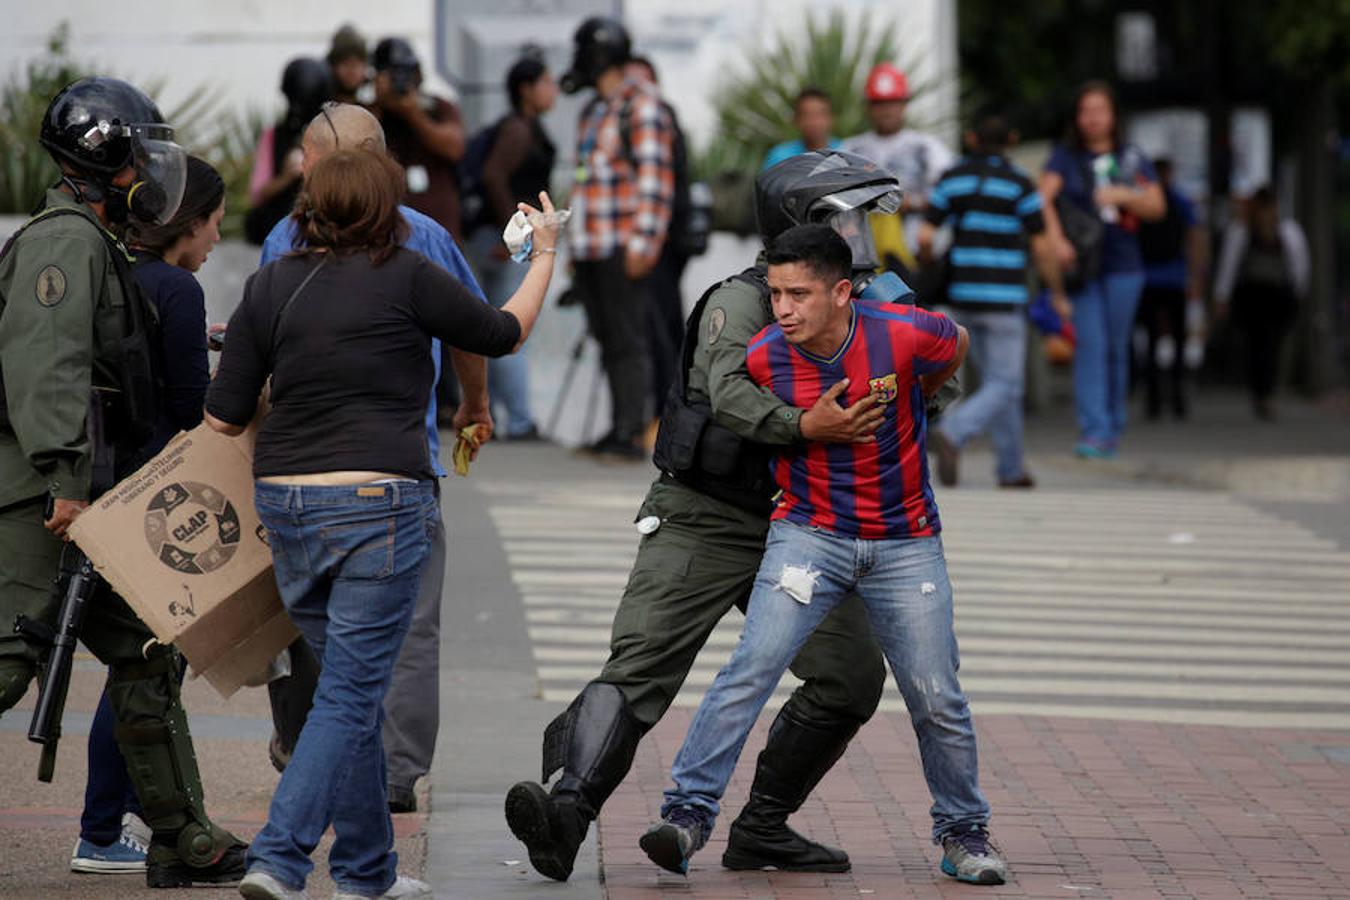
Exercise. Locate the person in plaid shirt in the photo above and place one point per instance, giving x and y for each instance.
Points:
(621, 205)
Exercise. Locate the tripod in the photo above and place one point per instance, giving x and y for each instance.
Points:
(574, 361)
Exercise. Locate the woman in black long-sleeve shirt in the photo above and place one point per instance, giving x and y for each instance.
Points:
(166, 257)
(345, 486)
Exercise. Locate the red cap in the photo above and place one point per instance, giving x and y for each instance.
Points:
(886, 82)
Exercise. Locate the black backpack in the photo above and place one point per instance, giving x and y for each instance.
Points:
(473, 201)
(1164, 240)
(691, 207)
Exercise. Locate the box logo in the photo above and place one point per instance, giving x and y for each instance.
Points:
(192, 528)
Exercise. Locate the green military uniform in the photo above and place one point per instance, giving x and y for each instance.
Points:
(61, 312)
(703, 558)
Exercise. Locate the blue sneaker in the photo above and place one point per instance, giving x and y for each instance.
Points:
(126, 854)
(682, 833)
(1094, 450)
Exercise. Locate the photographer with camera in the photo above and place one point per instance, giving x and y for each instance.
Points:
(424, 133)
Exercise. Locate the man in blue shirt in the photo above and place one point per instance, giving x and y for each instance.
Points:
(412, 704)
(813, 114)
(993, 209)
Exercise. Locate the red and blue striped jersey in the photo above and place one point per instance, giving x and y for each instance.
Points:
(872, 490)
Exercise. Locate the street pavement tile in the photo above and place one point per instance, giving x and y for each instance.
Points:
(1108, 829)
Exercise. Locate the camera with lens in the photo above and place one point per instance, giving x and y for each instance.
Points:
(402, 80)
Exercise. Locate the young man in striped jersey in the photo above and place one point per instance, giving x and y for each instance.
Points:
(993, 209)
(852, 518)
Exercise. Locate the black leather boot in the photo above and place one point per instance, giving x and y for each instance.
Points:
(593, 742)
(796, 756)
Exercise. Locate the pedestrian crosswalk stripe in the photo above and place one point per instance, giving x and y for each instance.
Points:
(1154, 605)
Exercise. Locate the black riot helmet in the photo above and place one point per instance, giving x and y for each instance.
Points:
(396, 56)
(598, 44)
(307, 84)
(98, 127)
(832, 188)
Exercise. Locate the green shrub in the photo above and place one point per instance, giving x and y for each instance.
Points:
(754, 111)
(224, 139)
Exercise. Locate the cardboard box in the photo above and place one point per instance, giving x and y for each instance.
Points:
(181, 541)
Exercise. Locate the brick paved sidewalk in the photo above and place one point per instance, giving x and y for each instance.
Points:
(1082, 808)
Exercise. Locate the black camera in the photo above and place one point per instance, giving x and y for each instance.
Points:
(402, 79)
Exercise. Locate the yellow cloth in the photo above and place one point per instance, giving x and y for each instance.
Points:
(888, 233)
(464, 445)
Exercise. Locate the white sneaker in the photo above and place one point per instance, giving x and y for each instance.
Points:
(403, 888)
(135, 826)
(261, 886)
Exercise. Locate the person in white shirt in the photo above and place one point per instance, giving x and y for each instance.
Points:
(1263, 273)
(916, 159)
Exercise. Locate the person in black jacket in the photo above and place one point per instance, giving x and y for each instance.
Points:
(345, 485)
(518, 165)
(111, 840)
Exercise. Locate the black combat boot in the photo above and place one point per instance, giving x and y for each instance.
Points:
(796, 756)
(593, 742)
(186, 849)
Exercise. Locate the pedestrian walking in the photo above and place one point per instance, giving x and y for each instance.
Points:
(1172, 306)
(865, 521)
(1263, 274)
(1096, 189)
(994, 211)
(345, 487)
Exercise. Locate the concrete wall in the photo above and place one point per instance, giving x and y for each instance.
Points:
(238, 49)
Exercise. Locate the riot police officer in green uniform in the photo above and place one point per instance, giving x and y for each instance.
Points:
(79, 392)
(704, 523)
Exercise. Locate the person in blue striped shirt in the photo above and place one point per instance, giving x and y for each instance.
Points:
(994, 211)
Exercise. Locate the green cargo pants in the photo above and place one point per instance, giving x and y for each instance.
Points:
(142, 686)
(689, 573)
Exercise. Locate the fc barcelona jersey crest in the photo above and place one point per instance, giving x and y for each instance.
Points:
(885, 386)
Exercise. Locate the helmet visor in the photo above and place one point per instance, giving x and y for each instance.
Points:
(853, 227)
(881, 197)
(161, 173)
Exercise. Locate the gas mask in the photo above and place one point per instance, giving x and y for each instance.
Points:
(161, 174)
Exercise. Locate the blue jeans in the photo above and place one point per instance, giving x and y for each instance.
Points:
(1103, 316)
(904, 585)
(998, 348)
(508, 376)
(347, 561)
(108, 792)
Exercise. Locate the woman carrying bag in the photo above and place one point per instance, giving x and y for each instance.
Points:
(344, 486)
(1096, 189)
